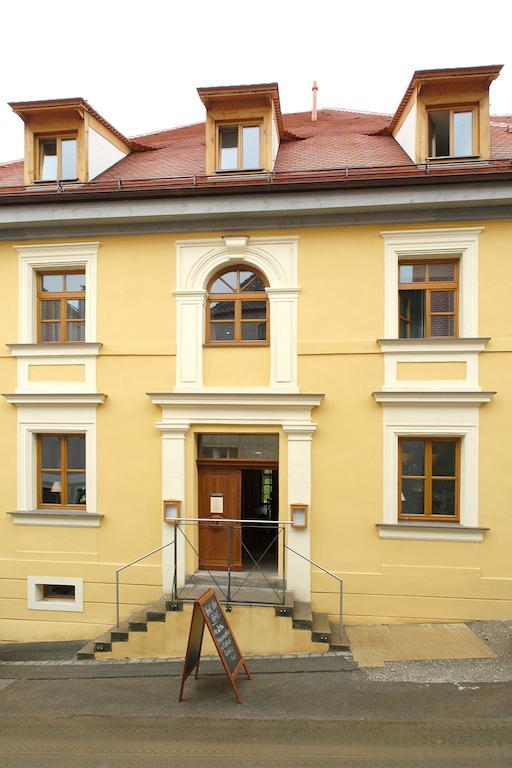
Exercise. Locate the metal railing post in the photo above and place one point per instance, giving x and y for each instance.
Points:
(341, 609)
(228, 606)
(117, 599)
(175, 576)
(284, 566)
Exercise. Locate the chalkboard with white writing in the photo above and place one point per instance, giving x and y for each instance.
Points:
(208, 611)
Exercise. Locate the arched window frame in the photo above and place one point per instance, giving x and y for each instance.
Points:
(237, 297)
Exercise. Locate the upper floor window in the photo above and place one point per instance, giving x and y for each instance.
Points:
(61, 306)
(428, 298)
(61, 470)
(429, 478)
(239, 147)
(451, 132)
(57, 157)
(237, 308)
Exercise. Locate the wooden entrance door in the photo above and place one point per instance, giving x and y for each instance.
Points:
(220, 498)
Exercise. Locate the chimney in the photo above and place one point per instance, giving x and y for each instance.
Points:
(313, 111)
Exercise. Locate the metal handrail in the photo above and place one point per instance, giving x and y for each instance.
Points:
(133, 562)
(329, 573)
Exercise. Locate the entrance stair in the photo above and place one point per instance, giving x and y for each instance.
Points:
(160, 630)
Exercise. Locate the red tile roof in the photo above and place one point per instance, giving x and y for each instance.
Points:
(339, 139)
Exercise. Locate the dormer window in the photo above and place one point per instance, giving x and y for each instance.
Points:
(451, 132)
(57, 158)
(239, 147)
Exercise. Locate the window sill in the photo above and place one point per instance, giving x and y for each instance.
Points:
(230, 344)
(56, 349)
(430, 531)
(67, 518)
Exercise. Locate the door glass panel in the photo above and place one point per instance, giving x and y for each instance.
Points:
(442, 325)
(251, 146)
(229, 148)
(50, 331)
(68, 159)
(413, 495)
(254, 331)
(226, 283)
(441, 272)
(76, 487)
(75, 331)
(50, 310)
(76, 452)
(443, 458)
(48, 150)
(412, 273)
(462, 134)
(439, 133)
(239, 447)
(222, 310)
(52, 283)
(254, 310)
(442, 301)
(75, 283)
(443, 497)
(51, 490)
(50, 452)
(250, 282)
(413, 457)
(222, 331)
(75, 309)
(415, 300)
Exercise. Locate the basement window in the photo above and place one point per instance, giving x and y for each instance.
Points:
(55, 593)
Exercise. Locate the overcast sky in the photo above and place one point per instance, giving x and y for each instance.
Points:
(139, 63)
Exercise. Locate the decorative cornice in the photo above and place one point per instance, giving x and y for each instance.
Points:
(424, 397)
(56, 518)
(277, 399)
(36, 398)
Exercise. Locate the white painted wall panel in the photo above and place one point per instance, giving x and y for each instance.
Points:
(102, 154)
(406, 136)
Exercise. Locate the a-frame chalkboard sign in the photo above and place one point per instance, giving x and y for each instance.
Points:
(207, 610)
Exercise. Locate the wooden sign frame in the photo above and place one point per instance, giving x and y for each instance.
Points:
(200, 618)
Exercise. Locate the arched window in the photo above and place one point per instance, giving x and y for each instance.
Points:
(237, 311)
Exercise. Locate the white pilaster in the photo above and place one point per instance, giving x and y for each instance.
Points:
(189, 338)
(283, 337)
(298, 570)
(173, 487)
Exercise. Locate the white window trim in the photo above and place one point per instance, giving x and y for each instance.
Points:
(421, 244)
(196, 262)
(33, 421)
(424, 421)
(34, 258)
(37, 602)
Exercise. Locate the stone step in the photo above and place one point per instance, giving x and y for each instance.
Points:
(321, 629)
(302, 616)
(103, 643)
(86, 653)
(337, 642)
(286, 608)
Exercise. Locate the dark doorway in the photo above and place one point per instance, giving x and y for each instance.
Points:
(260, 502)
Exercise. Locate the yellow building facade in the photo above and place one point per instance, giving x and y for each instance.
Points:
(346, 394)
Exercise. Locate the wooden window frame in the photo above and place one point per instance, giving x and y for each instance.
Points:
(428, 478)
(64, 471)
(41, 138)
(63, 297)
(452, 110)
(239, 125)
(428, 286)
(237, 297)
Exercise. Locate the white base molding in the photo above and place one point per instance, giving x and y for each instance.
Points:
(427, 531)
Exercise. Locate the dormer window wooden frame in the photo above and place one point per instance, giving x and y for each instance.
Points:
(453, 110)
(60, 173)
(222, 128)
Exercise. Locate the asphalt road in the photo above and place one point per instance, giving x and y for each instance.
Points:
(299, 718)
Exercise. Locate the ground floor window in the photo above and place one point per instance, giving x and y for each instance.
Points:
(429, 478)
(61, 470)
